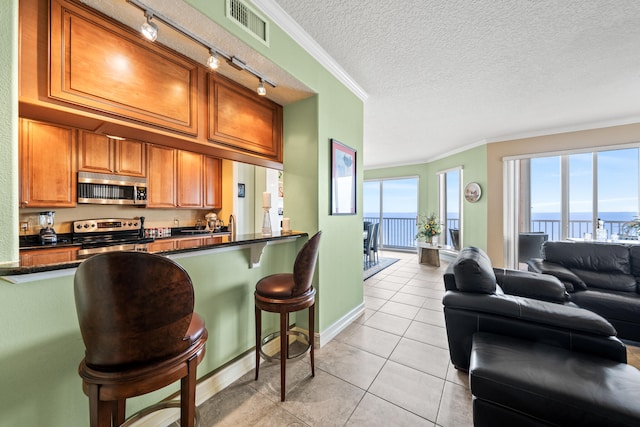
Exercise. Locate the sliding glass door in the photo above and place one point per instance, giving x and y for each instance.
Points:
(393, 203)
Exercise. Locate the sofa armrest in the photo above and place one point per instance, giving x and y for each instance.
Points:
(566, 276)
(531, 285)
(532, 311)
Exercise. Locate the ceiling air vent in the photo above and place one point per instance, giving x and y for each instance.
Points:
(248, 19)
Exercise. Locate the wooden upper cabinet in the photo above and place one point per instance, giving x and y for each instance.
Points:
(190, 178)
(103, 65)
(95, 153)
(161, 177)
(244, 121)
(131, 158)
(212, 183)
(101, 154)
(47, 165)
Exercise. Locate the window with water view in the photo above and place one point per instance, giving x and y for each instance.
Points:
(393, 203)
(564, 196)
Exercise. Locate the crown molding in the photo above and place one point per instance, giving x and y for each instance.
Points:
(278, 15)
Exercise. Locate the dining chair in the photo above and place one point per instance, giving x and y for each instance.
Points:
(374, 242)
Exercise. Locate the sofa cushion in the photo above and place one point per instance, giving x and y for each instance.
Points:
(607, 280)
(473, 271)
(553, 384)
(610, 304)
(588, 256)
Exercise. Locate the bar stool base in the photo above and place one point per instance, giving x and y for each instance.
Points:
(275, 335)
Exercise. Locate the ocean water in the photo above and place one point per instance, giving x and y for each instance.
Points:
(576, 216)
(586, 216)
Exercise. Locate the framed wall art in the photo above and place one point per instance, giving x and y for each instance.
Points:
(343, 179)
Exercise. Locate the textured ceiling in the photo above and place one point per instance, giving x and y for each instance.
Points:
(446, 75)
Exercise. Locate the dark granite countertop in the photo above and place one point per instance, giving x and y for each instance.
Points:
(59, 257)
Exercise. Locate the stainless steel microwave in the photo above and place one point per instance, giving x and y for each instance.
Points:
(105, 189)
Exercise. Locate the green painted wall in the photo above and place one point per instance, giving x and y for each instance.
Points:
(9, 131)
(474, 164)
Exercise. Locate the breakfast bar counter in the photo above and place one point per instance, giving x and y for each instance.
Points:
(61, 257)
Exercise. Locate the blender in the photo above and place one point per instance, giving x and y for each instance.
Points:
(47, 233)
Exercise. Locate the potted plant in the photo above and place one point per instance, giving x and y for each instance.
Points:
(428, 227)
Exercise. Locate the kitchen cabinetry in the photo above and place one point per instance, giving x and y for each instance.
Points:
(178, 178)
(189, 167)
(243, 121)
(47, 256)
(101, 154)
(129, 77)
(212, 183)
(161, 177)
(80, 68)
(47, 165)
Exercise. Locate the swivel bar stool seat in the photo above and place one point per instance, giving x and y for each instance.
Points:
(140, 332)
(285, 293)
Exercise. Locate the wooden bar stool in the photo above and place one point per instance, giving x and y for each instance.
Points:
(286, 293)
(140, 332)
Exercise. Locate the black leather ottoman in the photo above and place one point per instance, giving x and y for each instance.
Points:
(518, 382)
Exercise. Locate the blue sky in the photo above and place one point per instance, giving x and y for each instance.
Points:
(617, 182)
(400, 196)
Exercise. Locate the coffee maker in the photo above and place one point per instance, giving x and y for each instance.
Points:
(47, 233)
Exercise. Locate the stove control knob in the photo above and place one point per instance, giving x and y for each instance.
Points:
(86, 226)
(79, 226)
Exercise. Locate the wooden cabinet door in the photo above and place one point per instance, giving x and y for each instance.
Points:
(212, 183)
(190, 192)
(130, 158)
(103, 65)
(190, 242)
(244, 121)
(101, 154)
(47, 256)
(95, 153)
(47, 165)
(161, 177)
(161, 245)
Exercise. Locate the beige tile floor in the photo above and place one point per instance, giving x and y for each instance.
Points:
(389, 368)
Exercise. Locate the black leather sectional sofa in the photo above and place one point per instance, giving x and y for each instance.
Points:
(534, 358)
(601, 277)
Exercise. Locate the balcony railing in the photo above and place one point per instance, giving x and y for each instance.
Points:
(578, 228)
(400, 233)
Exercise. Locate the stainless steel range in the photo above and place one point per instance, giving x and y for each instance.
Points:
(110, 234)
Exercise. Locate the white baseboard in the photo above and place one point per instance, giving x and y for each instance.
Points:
(333, 330)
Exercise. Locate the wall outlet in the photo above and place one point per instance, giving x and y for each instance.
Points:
(176, 222)
(24, 226)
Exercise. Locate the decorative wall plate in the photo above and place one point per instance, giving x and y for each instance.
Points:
(472, 192)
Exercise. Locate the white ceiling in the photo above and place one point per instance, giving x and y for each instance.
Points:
(439, 76)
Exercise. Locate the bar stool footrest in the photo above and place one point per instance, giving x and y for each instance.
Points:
(154, 408)
(275, 335)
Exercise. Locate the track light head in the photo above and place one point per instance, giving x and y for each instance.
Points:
(149, 29)
(261, 89)
(213, 62)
